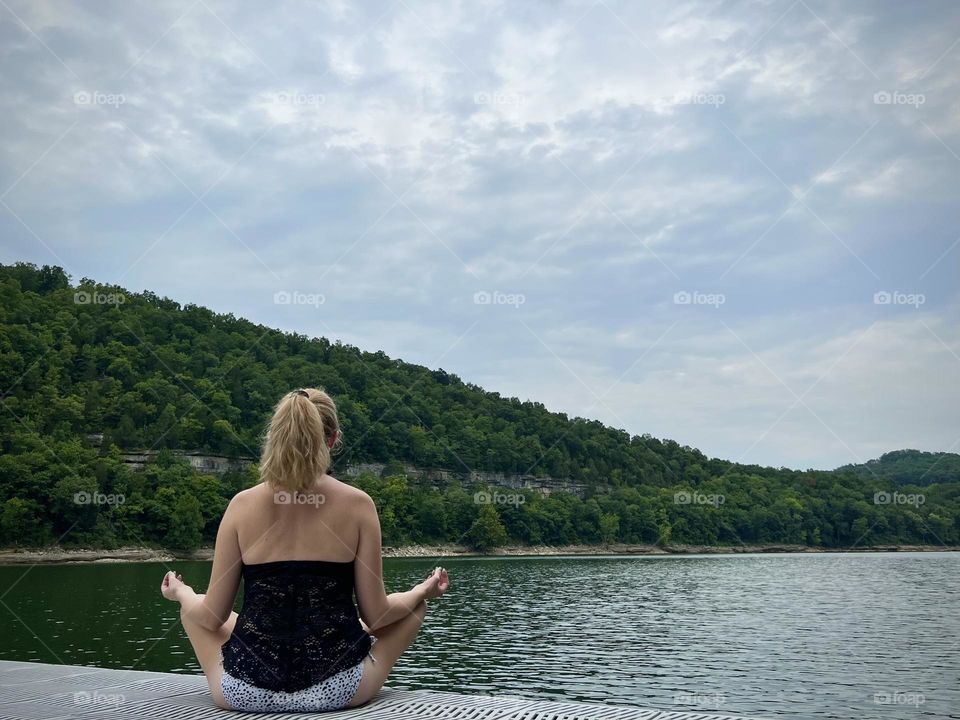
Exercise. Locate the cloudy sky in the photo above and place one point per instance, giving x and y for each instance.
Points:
(731, 224)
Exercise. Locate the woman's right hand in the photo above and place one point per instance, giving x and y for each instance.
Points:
(435, 585)
(172, 586)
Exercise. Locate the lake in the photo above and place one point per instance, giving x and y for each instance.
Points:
(857, 635)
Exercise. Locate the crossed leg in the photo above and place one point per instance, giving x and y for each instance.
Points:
(206, 644)
(392, 642)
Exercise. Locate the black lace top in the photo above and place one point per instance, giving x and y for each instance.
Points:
(298, 625)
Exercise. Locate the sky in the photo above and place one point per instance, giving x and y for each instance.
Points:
(731, 224)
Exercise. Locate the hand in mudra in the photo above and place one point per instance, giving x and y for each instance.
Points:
(436, 584)
(171, 585)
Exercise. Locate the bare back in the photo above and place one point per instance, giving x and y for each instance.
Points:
(331, 521)
(322, 523)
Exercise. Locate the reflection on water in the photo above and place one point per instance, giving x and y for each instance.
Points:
(866, 636)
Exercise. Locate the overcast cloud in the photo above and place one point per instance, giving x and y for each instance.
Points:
(730, 224)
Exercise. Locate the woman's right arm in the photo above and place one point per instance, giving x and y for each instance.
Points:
(377, 609)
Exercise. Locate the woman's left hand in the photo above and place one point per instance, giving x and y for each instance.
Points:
(436, 584)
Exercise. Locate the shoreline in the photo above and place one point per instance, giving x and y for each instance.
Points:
(60, 556)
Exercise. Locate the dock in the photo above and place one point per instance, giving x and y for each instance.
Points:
(38, 691)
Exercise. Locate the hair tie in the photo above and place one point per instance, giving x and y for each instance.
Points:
(301, 392)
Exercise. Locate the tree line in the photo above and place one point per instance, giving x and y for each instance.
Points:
(85, 360)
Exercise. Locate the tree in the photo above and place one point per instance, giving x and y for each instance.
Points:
(861, 531)
(609, 527)
(20, 523)
(430, 517)
(487, 531)
(664, 528)
(186, 525)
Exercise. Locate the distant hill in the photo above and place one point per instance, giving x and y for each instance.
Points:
(910, 467)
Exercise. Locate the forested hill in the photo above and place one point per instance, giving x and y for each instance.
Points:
(910, 467)
(150, 373)
(80, 361)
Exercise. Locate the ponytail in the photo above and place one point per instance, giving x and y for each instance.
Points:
(296, 449)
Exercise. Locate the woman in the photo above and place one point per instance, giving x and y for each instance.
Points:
(304, 543)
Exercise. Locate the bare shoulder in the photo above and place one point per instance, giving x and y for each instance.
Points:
(251, 493)
(351, 495)
(245, 499)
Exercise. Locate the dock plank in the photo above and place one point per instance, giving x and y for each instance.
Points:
(38, 691)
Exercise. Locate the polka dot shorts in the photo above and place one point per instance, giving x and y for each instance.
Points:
(332, 694)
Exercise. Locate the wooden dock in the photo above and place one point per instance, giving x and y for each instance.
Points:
(35, 691)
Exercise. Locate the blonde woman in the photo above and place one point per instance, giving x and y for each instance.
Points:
(304, 543)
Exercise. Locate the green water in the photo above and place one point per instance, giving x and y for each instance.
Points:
(866, 636)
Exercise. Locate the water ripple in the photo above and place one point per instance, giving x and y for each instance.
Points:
(799, 637)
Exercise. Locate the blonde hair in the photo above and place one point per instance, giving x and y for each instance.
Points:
(296, 450)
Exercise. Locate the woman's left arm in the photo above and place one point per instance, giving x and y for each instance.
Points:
(212, 609)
